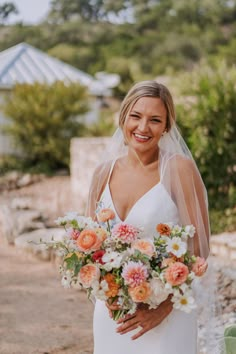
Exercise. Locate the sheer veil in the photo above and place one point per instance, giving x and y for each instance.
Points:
(181, 178)
(178, 174)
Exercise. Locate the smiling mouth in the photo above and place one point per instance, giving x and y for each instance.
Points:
(142, 138)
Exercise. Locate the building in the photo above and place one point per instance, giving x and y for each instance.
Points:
(26, 64)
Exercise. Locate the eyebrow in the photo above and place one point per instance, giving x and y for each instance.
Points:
(154, 116)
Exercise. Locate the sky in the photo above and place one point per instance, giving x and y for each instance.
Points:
(30, 11)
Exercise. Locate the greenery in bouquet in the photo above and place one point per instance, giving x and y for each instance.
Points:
(117, 262)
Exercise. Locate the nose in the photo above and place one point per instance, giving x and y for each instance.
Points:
(143, 125)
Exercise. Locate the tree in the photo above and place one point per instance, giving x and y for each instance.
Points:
(43, 118)
(208, 117)
(6, 10)
(91, 10)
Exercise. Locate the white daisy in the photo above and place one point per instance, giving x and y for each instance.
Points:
(99, 290)
(176, 246)
(61, 221)
(184, 302)
(111, 260)
(176, 229)
(190, 230)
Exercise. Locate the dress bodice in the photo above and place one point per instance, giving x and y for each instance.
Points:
(154, 207)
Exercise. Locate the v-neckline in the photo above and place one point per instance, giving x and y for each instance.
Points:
(134, 205)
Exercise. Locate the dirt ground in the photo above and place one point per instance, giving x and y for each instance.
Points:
(37, 315)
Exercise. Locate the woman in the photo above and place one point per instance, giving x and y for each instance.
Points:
(150, 177)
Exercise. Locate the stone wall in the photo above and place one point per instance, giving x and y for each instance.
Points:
(85, 154)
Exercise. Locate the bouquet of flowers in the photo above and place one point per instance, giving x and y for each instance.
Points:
(114, 262)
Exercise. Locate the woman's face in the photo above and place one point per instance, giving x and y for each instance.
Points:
(145, 124)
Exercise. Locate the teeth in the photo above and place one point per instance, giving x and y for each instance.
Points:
(141, 137)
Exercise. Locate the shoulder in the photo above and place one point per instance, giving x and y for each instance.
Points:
(182, 163)
(101, 173)
(185, 170)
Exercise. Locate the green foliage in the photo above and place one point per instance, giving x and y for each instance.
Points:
(208, 118)
(93, 10)
(157, 35)
(230, 339)
(9, 163)
(43, 118)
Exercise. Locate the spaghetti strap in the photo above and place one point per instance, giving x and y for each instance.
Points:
(110, 172)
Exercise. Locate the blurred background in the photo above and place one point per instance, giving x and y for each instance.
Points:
(65, 66)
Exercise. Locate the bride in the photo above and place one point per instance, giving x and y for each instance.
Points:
(149, 177)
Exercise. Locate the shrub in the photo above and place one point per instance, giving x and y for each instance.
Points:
(208, 118)
(42, 120)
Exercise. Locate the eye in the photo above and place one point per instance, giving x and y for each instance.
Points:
(134, 116)
(156, 120)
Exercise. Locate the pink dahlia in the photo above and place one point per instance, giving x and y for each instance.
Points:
(73, 233)
(125, 233)
(134, 273)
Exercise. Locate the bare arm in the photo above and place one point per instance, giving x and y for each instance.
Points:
(97, 185)
(190, 197)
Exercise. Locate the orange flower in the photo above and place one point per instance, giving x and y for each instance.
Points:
(88, 274)
(144, 246)
(105, 214)
(113, 287)
(88, 240)
(163, 229)
(200, 266)
(176, 273)
(140, 293)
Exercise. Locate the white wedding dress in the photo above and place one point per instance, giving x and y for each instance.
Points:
(177, 334)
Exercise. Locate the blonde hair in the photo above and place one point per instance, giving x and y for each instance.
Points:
(149, 88)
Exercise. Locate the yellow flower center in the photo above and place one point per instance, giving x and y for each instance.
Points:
(175, 246)
(183, 301)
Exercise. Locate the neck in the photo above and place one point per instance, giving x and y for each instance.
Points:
(143, 159)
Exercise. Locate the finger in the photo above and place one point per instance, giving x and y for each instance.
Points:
(125, 318)
(139, 334)
(123, 330)
(114, 307)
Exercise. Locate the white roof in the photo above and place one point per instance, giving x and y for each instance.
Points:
(26, 64)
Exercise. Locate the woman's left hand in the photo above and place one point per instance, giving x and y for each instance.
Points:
(145, 318)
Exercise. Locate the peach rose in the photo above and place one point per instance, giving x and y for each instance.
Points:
(144, 246)
(113, 287)
(102, 234)
(163, 229)
(105, 214)
(88, 274)
(88, 240)
(176, 273)
(199, 267)
(140, 293)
